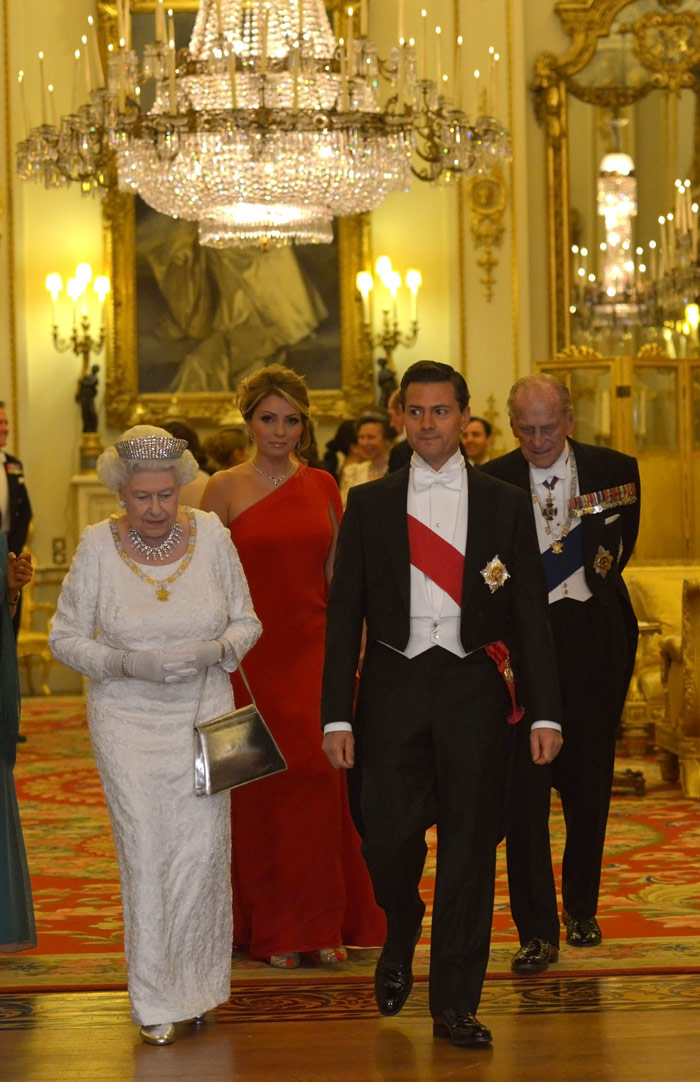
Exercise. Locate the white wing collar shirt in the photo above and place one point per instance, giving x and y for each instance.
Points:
(575, 586)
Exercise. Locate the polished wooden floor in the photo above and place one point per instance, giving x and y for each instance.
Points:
(586, 1029)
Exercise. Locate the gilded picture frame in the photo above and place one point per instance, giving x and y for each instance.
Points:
(333, 356)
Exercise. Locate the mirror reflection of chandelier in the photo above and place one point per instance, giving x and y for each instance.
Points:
(266, 128)
(638, 296)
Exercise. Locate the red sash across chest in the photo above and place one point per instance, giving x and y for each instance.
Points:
(436, 558)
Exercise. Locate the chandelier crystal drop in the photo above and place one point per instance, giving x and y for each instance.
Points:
(267, 139)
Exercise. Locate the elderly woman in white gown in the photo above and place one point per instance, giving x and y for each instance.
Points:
(154, 610)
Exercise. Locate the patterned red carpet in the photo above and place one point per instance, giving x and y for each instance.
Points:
(650, 906)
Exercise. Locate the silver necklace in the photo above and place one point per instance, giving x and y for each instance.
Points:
(153, 553)
(277, 481)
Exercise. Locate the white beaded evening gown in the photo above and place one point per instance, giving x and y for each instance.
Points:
(173, 848)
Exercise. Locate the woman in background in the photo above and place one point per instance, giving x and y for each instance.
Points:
(227, 446)
(300, 885)
(17, 930)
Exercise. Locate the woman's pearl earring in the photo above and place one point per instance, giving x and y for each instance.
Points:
(122, 502)
(250, 437)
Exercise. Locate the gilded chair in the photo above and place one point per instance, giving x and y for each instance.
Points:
(678, 735)
(33, 637)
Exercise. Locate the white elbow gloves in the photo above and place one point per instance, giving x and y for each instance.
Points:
(166, 665)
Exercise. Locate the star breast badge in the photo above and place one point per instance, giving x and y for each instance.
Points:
(603, 561)
(495, 574)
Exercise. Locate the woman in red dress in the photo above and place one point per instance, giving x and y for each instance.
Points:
(300, 885)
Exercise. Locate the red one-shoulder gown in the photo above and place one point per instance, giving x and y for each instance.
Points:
(299, 880)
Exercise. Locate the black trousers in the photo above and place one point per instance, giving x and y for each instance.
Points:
(593, 667)
(434, 746)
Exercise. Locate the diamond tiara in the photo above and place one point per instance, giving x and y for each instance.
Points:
(151, 447)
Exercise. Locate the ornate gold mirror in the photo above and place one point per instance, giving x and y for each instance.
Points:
(620, 114)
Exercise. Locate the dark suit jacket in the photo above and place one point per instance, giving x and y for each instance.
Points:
(614, 530)
(371, 582)
(20, 507)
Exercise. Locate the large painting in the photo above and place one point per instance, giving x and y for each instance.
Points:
(186, 322)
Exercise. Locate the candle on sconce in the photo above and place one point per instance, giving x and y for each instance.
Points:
(694, 227)
(364, 284)
(99, 72)
(171, 27)
(401, 21)
(394, 286)
(23, 98)
(74, 290)
(363, 18)
(44, 103)
(414, 281)
(477, 75)
(54, 285)
(219, 24)
(424, 43)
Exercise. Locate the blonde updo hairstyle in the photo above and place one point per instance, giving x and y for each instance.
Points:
(115, 472)
(280, 380)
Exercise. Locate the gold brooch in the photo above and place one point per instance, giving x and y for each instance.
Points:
(603, 561)
(495, 574)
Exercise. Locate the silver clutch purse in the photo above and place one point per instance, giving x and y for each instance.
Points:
(234, 749)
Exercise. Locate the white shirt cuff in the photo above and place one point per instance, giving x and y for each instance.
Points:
(338, 727)
(546, 725)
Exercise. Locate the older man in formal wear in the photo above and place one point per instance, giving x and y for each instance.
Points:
(585, 503)
(441, 562)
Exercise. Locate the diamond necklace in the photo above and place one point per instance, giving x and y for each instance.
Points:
(162, 591)
(154, 553)
(277, 481)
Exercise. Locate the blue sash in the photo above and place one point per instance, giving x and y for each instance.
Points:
(558, 567)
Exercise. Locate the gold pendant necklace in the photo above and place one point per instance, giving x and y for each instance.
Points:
(161, 585)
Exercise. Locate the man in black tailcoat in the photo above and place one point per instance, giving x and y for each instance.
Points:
(585, 503)
(441, 563)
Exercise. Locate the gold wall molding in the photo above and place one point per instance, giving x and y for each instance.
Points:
(487, 195)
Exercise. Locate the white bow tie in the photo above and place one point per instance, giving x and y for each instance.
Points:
(426, 478)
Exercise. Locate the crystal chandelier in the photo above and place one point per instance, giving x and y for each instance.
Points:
(266, 128)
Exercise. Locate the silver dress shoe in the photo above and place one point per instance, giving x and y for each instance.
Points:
(164, 1033)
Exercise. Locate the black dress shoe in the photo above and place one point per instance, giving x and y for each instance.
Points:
(583, 933)
(461, 1028)
(392, 984)
(534, 957)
